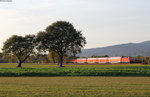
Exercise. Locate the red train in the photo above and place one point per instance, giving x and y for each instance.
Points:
(103, 60)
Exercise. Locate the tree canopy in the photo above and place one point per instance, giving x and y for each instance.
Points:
(62, 38)
(21, 47)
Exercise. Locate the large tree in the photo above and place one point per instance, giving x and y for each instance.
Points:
(19, 46)
(62, 38)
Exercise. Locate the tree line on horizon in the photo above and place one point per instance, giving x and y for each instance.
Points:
(51, 57)
(60, 40)
(36, 58)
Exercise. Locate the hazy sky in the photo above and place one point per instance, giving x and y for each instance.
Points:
(103, 22)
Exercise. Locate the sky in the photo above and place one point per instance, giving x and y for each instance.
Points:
(102, 22)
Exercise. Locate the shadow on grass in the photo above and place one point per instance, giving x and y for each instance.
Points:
(34, 74)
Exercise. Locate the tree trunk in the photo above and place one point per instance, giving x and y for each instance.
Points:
(19, 64)
(61, 61)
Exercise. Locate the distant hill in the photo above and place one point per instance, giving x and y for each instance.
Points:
(130, 49)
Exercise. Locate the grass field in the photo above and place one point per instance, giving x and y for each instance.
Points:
(75, 80)
(74, 87)
(44, 70)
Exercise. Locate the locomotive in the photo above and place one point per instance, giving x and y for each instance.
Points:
(103, 60)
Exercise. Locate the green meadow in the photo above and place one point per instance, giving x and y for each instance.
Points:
(45, 70)
(46, 80)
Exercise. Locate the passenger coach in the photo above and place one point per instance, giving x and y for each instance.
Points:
(103, 60)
